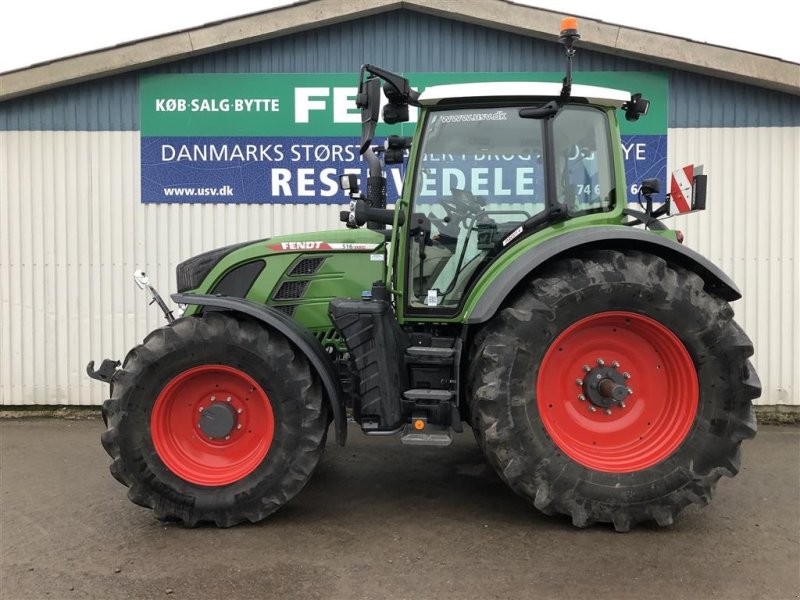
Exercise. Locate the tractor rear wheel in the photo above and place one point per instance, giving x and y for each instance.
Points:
(613, 388)
(214, 418)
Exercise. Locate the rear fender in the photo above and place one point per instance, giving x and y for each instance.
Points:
(607, 237)
(297, 334)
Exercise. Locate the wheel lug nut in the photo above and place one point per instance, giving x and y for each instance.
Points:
(601, 362)
(608, 411)
(239, 426)
(581, 397)
(615, 364)
(239, 410)
(228, 399)
(227, 437)
(630, 391)
(626, 375)
(592, 408)
(201, 409)
(622, 404)
(579, 382)
(213, 398)
(586, 368)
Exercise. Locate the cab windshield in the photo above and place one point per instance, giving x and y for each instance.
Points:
(481, 173)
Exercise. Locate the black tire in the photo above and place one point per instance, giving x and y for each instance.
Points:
(215, 338)
(502, 387)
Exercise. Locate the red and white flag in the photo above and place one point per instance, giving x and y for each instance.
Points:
(680, 188)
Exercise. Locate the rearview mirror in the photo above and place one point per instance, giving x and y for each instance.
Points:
(650, 187)
(369, 101)
(637, 107)
(348, 182)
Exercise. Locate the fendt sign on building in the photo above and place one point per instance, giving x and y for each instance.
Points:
(284, 138)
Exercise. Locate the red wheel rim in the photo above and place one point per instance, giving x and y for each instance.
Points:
(658, 413)
(184, 446)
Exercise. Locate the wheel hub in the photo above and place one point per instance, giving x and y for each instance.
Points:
(218, 420)
(605, 386)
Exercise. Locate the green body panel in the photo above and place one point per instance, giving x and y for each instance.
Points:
(346, 272)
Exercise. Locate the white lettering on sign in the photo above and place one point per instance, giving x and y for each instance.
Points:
(482, 181)
(344, 106)
(256, 105)
(303, 103)
(212, 105)
(217, 104)
(638, 150)
(308, 99)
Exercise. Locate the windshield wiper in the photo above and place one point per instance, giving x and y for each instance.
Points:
(541, 112)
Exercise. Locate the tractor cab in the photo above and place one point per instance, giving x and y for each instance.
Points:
(491, 163)
(485, 174)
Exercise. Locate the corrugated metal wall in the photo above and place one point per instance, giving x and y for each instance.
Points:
(750, 229)
(72, 229)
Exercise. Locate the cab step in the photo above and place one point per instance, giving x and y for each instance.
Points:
(429, 396)
(430, 436)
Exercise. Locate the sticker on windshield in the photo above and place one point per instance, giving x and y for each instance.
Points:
(497, 115)
(433, 298)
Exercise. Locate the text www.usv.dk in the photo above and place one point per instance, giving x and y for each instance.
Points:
(225, 190)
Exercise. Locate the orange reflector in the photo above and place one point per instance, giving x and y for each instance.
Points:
(569, 23)
(419, 424)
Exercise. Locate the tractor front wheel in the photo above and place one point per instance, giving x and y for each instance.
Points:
(613, 388)
(214, 418)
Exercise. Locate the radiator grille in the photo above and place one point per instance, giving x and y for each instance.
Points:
(291, 290)
(287, 309)
(307, 266)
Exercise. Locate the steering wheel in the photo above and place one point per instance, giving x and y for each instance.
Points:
(459, 206)
(463, 203)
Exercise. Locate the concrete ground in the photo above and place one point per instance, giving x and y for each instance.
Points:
(379, 520)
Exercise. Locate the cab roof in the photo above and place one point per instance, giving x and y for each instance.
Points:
(593, 94)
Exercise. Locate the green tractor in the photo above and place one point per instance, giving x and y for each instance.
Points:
(510, 287)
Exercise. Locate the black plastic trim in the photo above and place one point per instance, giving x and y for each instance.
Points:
(238, 281)
(191, 272)
(298, 334)
(612, 237)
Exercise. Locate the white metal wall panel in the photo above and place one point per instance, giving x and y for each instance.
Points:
(751, 229)
(72, 230)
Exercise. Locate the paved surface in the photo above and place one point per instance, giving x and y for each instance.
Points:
(378, 520)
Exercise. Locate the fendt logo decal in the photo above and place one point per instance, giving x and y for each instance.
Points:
(295, 246)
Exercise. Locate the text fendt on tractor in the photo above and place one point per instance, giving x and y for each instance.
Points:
(594, 356)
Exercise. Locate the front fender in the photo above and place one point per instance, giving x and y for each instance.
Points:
(297, 334)
(606, 237)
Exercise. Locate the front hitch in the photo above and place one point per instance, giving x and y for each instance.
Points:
(106, 371)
